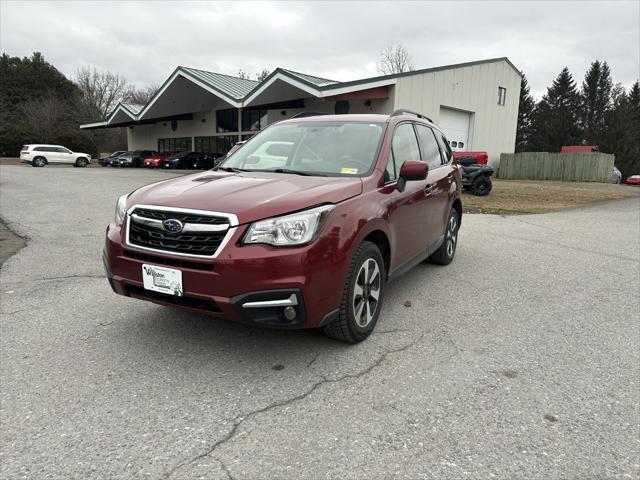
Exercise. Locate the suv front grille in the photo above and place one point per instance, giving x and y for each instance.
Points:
(151, 234)
(184, 217)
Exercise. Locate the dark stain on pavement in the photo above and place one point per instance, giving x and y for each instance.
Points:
(10, 243)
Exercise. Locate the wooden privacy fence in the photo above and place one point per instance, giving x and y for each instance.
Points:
(578, 167)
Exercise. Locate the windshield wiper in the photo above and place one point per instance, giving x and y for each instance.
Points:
(230, 169)
(296, 172)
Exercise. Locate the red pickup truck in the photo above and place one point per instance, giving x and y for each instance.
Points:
(579, 149)
(481, 158)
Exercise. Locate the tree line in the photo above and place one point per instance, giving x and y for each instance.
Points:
(599, 113)
(38, 104)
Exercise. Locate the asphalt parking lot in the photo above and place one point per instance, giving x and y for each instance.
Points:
(519, 360)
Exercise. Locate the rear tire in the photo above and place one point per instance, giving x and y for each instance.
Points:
(444, 255)
(39, 162)
(361, 297)
(481, 186)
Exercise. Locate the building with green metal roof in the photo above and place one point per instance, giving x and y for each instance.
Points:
(475, 103)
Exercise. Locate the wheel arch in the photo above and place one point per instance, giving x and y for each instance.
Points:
(379, 238)
(457, 205)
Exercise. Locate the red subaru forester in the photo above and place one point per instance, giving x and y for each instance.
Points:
(302, 227)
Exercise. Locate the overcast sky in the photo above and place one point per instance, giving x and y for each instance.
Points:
(145, 40)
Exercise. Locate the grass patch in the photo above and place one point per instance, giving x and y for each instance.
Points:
(529, 196)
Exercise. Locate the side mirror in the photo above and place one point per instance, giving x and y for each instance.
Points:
(411, 170)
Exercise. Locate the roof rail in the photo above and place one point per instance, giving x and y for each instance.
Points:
(402, 111)
(308, 114)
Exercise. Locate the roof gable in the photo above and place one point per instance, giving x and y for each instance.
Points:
(234, 87)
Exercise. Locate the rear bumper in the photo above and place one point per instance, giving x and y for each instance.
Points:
(241, 283)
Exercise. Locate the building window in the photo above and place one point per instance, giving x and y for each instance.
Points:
(227, 120)
(253, 120)
(217, 145)
(205, 144)
(502, 95)
(174, 145)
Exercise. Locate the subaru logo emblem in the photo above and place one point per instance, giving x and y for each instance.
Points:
(171, 225)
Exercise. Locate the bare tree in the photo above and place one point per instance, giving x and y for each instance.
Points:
(141, 96)
(44, 117)
(242, 74)
(263, 74)
(102, 90)
(394, 59)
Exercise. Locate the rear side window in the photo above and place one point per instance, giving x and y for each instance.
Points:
(447, 154)
(404, 145)
(429, 146)
(45, 149)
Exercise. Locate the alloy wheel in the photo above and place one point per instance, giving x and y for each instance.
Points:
(366, 292)
(452, 235)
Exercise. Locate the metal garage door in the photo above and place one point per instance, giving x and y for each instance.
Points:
(455, 125)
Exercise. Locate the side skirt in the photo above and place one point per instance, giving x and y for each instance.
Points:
(419, 258)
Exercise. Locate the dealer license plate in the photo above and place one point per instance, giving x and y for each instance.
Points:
(163, 280)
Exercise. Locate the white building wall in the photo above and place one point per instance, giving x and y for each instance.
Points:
(473, 89)
(145, 137)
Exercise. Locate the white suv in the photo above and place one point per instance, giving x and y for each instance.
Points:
(41, 155)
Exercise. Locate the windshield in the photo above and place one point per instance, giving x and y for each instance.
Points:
(316, 148)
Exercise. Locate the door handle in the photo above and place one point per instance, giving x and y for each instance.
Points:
(429, 190)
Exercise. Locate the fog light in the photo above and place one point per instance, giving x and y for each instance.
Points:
(289, 313)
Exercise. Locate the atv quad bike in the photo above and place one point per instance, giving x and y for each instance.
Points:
(476, 178)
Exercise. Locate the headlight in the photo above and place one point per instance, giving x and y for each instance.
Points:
(121, 210)
(288, 230)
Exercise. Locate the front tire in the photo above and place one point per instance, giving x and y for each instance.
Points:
(362, 296)
(81, 162)
(444, 255)
(481, 186)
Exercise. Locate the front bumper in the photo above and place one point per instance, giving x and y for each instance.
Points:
(257, 284)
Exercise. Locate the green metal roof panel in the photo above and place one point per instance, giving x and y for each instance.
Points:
(133, 108)
(233, 87)
(318, 81)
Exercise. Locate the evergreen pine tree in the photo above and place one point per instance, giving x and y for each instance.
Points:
(525, 117)
(556, 118)
(596, 101)
(622, 129)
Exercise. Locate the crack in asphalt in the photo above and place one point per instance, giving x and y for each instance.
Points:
(313, 360)
(63, 277)
(241, 419)
(225, 468)
(543, 227)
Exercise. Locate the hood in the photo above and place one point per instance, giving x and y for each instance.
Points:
(250, 196)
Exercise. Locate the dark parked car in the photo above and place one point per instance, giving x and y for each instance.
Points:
(135, 158)
(115, 161)
(105, 161)
(358, 201)
(207, 161)
(183, 160)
